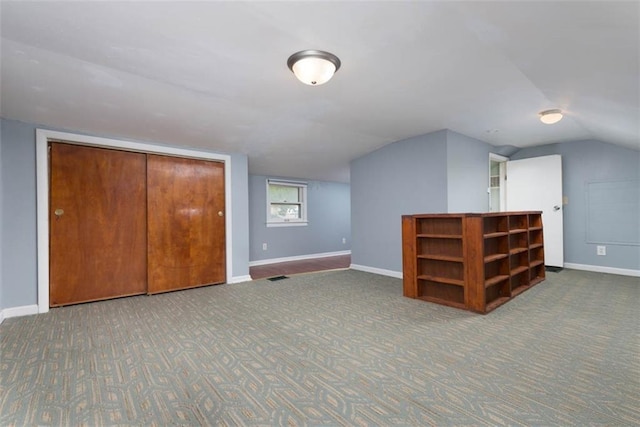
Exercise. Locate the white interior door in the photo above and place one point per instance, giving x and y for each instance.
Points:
(536, 185)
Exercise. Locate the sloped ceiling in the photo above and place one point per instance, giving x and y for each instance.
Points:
(213, 75)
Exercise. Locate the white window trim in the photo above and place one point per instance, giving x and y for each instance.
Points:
(303, 205)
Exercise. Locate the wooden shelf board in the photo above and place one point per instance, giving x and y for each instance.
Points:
(535, 263)
(445, 280)
(535, 245)
(496, 303)
(519, 269)
(441, 257)
(520, 289)
(535, 281)
(494, 257)
(535, 228)
(443, 302)
(495, 280)
(518, 230)
(440, 236)
(496, 234)
(517, 250)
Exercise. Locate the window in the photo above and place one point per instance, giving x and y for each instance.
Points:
(286, 203)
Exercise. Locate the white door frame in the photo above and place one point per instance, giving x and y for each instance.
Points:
(42, 193)
(503, 170)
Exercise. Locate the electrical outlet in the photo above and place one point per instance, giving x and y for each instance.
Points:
(264, 246)
(601, 250)
(344, 240)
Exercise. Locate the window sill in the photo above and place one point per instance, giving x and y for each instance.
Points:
(288, 224)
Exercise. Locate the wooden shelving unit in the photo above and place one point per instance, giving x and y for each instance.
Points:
(471, 261)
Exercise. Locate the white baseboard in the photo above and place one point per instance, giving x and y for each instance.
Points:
(240, 279)
(381, 271)
(25, 310)
(601, 269)
(585, 267)
(297, 258)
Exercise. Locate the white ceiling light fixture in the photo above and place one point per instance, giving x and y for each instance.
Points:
(313, 67)
(550, 117)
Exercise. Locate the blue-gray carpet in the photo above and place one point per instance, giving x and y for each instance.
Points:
(333, 348)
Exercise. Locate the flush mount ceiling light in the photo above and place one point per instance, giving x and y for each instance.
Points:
(550, 117)
(313, 67)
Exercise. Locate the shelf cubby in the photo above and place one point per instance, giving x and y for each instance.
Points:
(520, 281)
(535, 238)
(440, 227)
(518, 223)
(536, 255)
(440, 246)
(443, 293)
(496, 245)
(439, 268)
(498, 294)
(518, 262)
(536, 274)
(518, 242)
(535, 221)
(492, 224)
(496, 268)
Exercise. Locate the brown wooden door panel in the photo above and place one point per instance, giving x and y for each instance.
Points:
(98, 235)
(186, 225)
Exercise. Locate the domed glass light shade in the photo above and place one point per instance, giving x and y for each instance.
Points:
(550, 117)
(313, 67)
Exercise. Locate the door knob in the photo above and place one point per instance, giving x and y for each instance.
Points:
(220, 213)
(58, 212)
(556, 208)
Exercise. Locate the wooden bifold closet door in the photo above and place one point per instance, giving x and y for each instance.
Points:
(124, 223)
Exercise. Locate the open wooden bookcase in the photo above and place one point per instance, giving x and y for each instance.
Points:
(471, 261)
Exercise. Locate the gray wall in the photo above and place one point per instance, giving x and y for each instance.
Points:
(328, 214)
(240, 214)
(406, 177)
(442, 171)
(19, 251)
(1, 222)
(467, 173)
(19, 254)
(584, 162)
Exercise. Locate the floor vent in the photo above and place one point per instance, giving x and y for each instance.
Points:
(276, 278)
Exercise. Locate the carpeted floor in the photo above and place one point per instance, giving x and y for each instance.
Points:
(333, 348)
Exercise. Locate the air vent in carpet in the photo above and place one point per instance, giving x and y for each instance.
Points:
(276, 278)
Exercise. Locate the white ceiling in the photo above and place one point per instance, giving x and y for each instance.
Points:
(213, 75)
